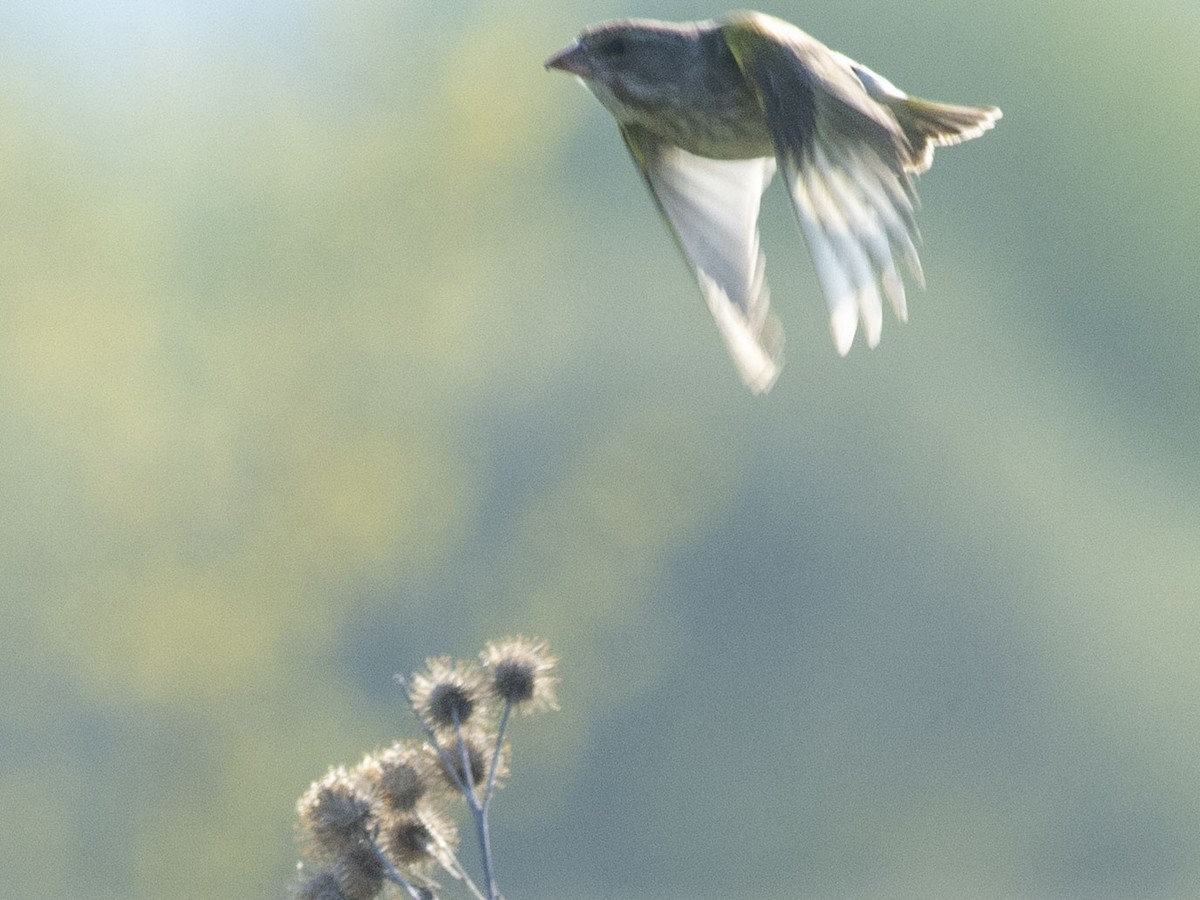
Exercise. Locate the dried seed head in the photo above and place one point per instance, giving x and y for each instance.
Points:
(448, 693)
(399, 776)
(416, 839)
(322, 886)
(479, 747)
(359, 873)
(518, 672)
(407, 841)
(335, 814)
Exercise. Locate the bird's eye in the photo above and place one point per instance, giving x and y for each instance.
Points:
(614, 47)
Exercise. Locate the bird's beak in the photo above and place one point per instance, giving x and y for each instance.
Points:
(572, 60)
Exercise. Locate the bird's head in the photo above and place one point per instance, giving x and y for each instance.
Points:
(629, 64)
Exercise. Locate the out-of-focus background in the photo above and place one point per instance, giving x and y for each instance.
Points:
(336, 335)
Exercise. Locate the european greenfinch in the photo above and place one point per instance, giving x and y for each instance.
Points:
(709, 109)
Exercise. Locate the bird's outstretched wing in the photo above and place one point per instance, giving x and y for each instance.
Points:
(844, 160)
(711, 206)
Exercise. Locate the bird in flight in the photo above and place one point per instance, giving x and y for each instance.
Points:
(710, 109)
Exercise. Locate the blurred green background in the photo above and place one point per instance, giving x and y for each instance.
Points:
(336, 335)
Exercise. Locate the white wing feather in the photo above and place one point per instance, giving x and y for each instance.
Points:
(712, 207)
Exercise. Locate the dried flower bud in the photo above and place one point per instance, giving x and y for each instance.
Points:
(360, 873)
(415, 839)
(479, 747)
(399, 776)
(322, 886)
(518, 672)
(448, 693)
(335, 813)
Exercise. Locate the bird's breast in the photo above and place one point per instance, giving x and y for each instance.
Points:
(727, 123)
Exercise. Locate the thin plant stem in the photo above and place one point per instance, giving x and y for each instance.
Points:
(491, 782)
(485, 846)
(479, 813)
(449, 862)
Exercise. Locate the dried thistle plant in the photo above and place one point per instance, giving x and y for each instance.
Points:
(384, 827)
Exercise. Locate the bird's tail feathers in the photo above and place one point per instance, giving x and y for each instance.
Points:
(927, 124)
